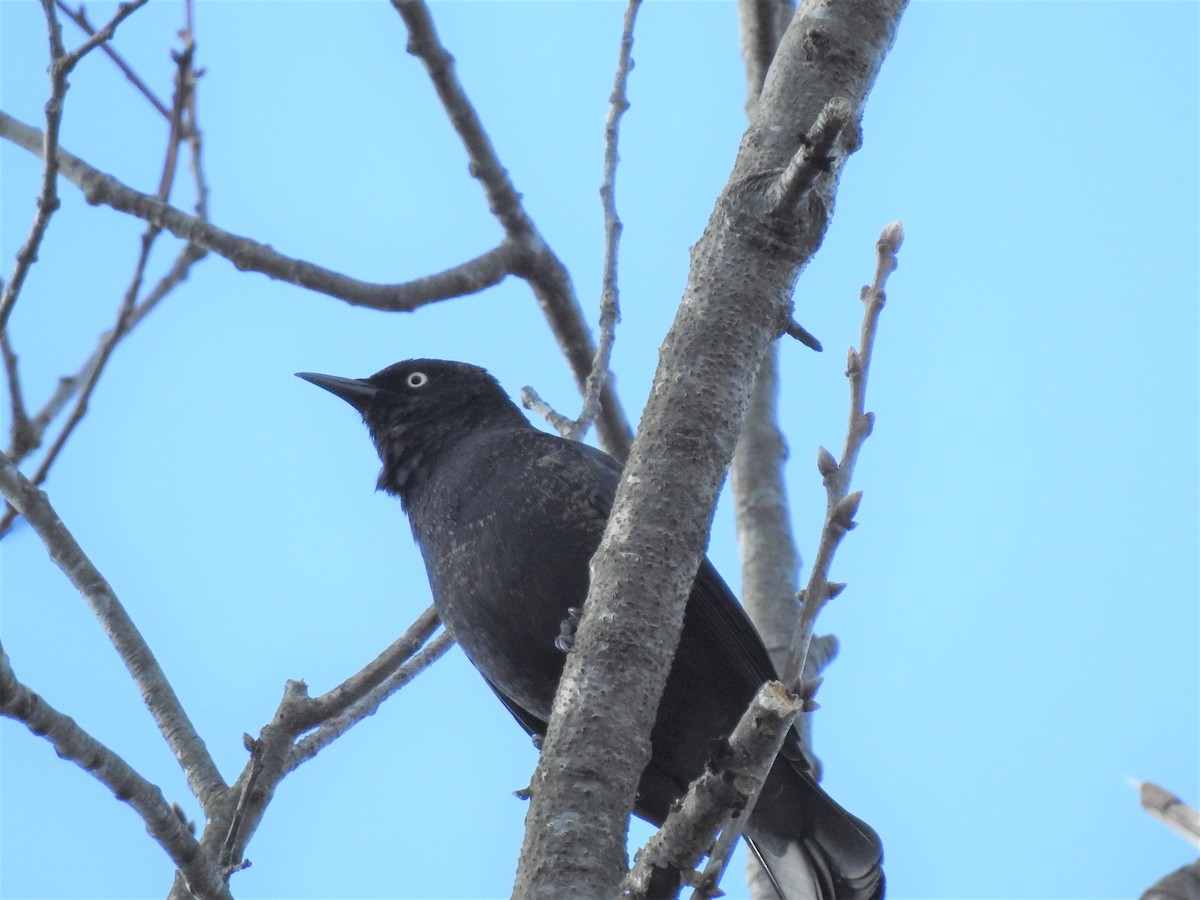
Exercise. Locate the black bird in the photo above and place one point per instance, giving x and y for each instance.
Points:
(507, 518)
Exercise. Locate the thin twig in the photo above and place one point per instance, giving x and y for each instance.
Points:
(69, 385)
(312, 744)
(812, 158)
(839, 519)
(534, 260)
(61, 64)
(201, 772)
(275, 752)
(671, 855)
(72, 743)
(22, 436)
(79, 17)
(359, 685)
(184, 84)
(532, 400)
(248, 255)
(47, 201)
(98, 38)
(795, 330)
(610, 308)
(840, 504)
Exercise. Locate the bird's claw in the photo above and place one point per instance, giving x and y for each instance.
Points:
(566, 633)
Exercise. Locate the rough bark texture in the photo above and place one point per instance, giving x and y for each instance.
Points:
(770, 562)
(738, 300)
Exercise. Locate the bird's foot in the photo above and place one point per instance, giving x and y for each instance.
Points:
(566, 633)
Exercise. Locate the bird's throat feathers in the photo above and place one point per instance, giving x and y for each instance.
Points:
(404, 461)
(414, 449)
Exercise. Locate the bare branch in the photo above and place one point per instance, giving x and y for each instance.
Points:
(61, 64)
(184, 99)
(669, 859)
(275, 752)
(79, 17)
(47, 201)
(535, 261)
(812, 158)
(72, 743)
(795, 330)
(841, 506)
(736, 303)
(1170, 810)
(124, 11)
(610, 309)
(761, 24)
(68, 386)
(249, 255)
(531, 399)
(354, 688)
(339, 724)
(186, 745)
(22, 436)
(523, 253)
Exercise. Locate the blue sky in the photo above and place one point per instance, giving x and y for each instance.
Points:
(1021, 624)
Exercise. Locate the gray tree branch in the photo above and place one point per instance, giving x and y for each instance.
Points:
(248, 255)
(72, 743)
(841, 505)
(610, 309)
(61, 65)
(536, 262)
(737, 301)
(160, 698)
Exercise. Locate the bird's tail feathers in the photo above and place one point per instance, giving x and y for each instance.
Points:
(801, 870)
(828, 854)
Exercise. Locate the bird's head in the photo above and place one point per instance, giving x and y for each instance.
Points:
(418, 409)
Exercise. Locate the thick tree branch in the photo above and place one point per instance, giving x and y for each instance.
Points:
(770, 562)
(72, 743)
(198, 767)
(736, 303)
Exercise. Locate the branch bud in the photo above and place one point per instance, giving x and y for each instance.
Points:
(808, 690)
(843, 513)
(826, 464)
(853, 363)
(891, 238)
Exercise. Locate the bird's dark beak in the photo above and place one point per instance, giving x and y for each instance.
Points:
(358, 392)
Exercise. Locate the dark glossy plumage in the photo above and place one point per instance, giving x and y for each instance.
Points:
(507, 518)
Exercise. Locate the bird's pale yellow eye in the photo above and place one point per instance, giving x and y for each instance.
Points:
(417, 380)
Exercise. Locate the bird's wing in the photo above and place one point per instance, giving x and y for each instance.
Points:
(527, 720)
(716, 608)
(712, 602)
